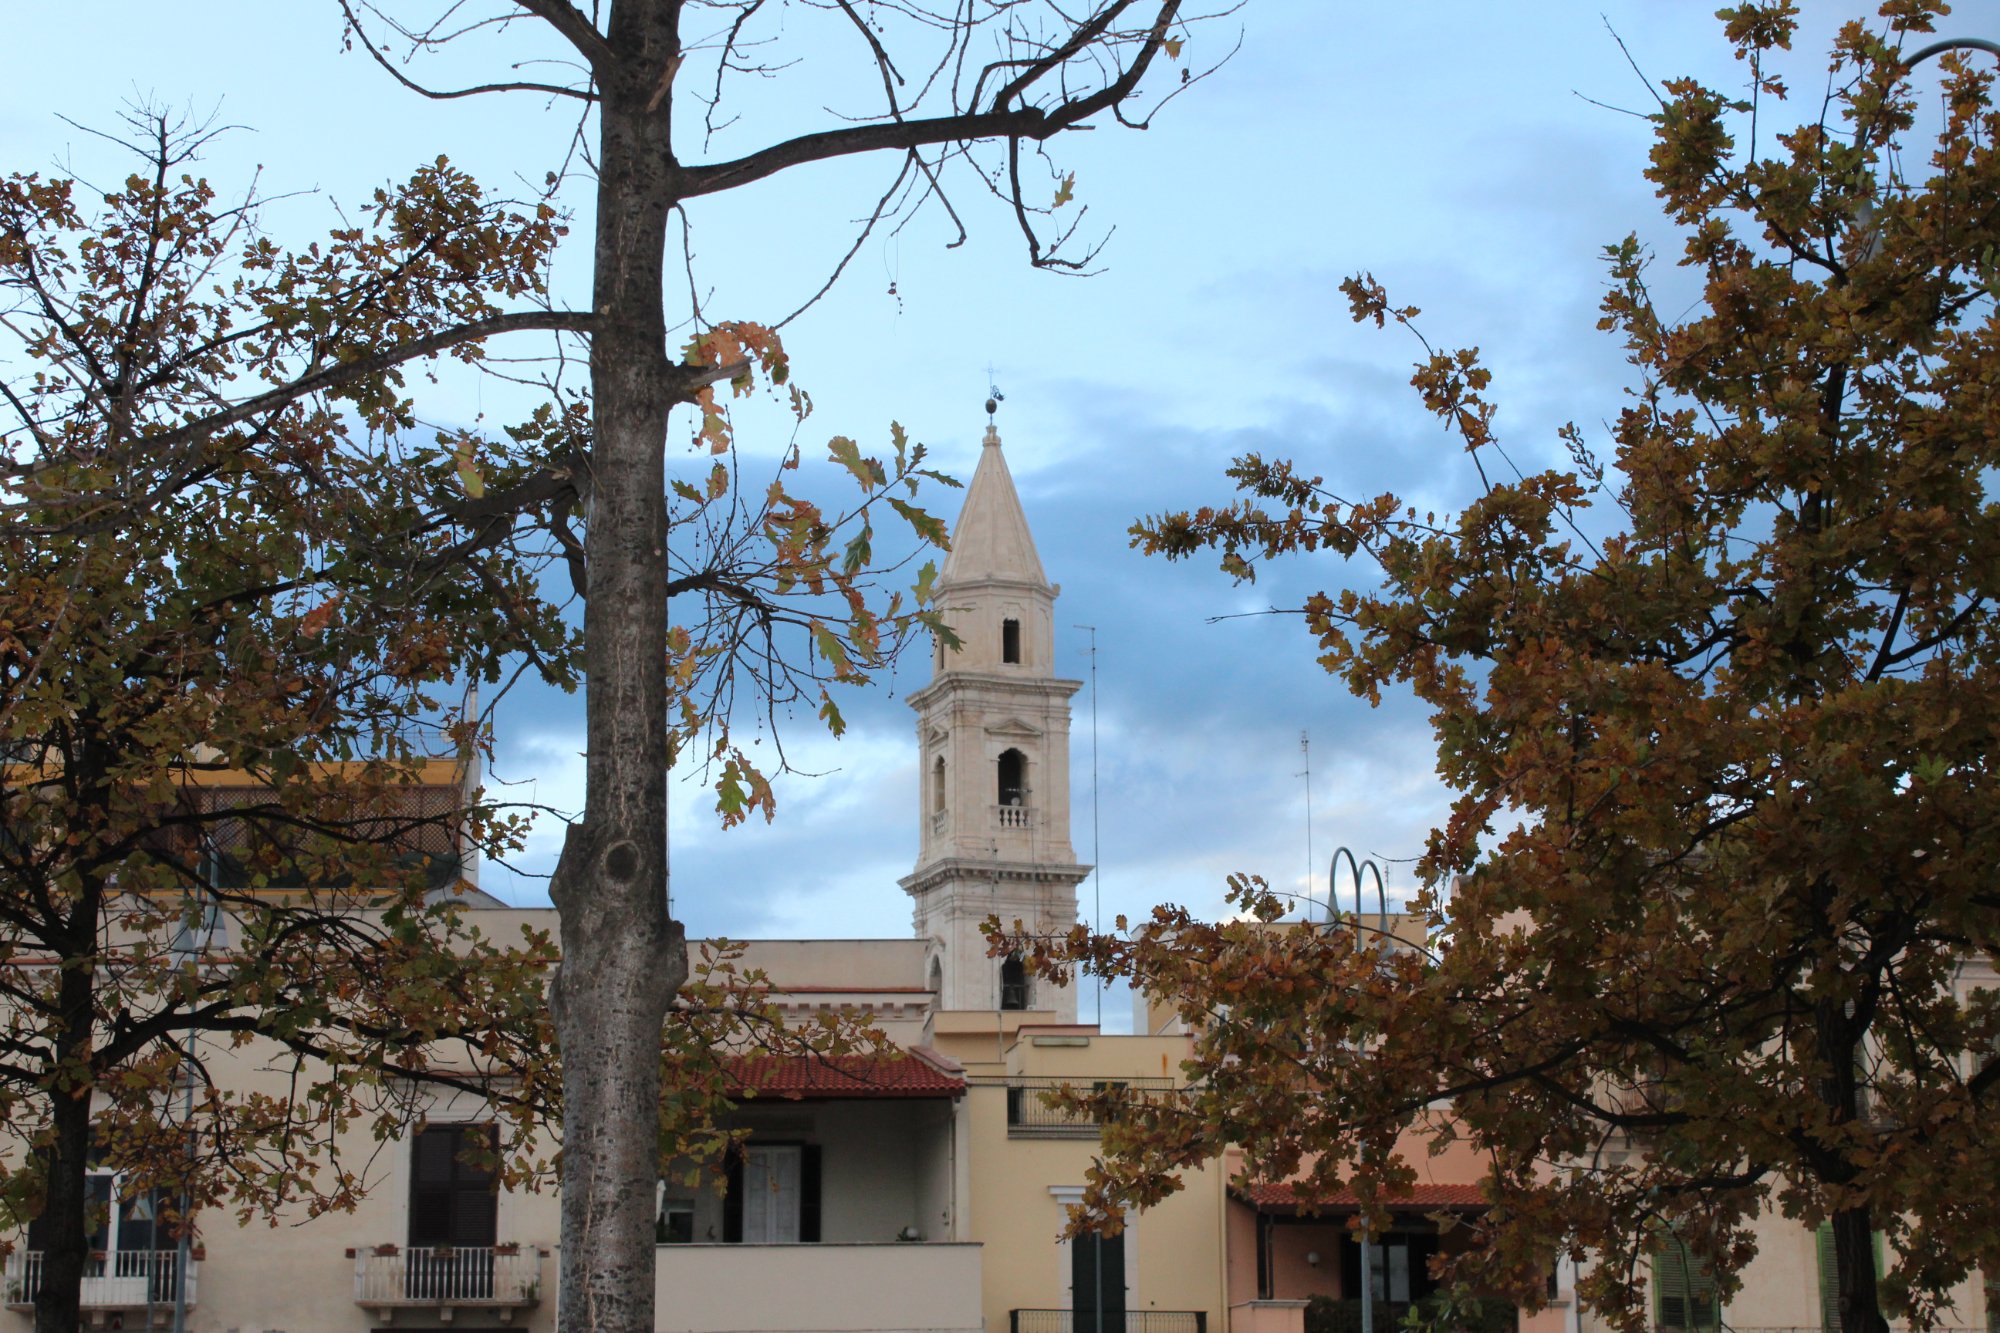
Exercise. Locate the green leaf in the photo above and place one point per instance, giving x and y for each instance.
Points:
(829, 713)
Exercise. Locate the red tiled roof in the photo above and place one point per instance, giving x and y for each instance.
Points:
(1284, 1195)
(825, 1077)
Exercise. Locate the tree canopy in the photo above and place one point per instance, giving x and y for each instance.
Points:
(1719, 716)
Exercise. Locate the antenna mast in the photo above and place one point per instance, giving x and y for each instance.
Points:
(1306, 749)
(1096, 871)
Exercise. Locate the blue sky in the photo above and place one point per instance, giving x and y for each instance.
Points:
(1446, 146)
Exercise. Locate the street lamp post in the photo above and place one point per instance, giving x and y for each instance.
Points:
(1356, 868)
(191, 941)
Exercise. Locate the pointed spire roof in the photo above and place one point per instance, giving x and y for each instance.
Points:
(991, 539)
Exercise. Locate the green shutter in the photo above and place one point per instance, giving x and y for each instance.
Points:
(1670, 1284)
(1684, 1293)
(1829, 1276)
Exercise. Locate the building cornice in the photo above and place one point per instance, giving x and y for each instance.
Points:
(993, 682)
(934, 873)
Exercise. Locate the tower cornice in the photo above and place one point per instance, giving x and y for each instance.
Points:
(991, 682)
(971, 869)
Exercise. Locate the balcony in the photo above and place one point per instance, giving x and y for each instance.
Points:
(1014, 816)
(1131, 1321)
(821, 1288)
(499, 1280)
(119, 1283)
(1029, 1116)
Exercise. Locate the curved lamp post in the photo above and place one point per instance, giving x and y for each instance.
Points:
(1358, 868)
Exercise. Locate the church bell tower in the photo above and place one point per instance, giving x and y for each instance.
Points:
(993, 733)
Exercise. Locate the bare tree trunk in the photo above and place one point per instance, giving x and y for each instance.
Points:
(622, 957)
(58, 1305)
(1839, 1037)
(1854, 1248)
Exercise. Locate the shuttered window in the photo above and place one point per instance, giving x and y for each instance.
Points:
(1829, 1276)
(1684, 1295)
(453, 1201)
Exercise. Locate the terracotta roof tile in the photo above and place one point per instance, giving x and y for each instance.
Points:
(1284, 1195)
(827, 1077)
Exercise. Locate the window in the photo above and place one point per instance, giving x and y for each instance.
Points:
(1010, 641)
(132, 1247)
(1013, 983)
(1097, 1282)
(454, 1214)
(675, 1223)
(1398, 1266)
(937, 785)
(773, 1195)
(1684, 1295)
(1013, 778)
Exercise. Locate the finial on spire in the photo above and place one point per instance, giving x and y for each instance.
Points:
(993, 397)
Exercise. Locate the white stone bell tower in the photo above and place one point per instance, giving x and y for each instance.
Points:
(993, 732)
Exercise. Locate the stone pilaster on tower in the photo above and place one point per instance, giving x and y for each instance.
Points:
(993, 732)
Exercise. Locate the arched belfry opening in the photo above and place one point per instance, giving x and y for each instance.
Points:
(937, 786)
(1010, 640)
(1013, 982)
(1013, 778)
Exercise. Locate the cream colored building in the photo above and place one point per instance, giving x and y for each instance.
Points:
(924, 1192)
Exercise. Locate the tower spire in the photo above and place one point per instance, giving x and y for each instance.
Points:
(992, 539)
(993, 727)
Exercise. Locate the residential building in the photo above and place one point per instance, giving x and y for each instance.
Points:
(925, 1189)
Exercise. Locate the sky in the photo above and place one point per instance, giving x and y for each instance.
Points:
(1475, 157)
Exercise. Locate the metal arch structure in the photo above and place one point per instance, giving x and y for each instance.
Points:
(1357, 868)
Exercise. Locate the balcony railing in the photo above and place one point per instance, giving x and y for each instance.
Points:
(1014, 816)
(120, 1280)
(1326, 1315)
(1083, 1321)
(496, 1277)
(1029, 1117)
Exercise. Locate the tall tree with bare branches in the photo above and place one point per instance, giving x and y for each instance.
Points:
(968, 95)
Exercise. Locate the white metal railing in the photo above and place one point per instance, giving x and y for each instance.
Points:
(1015, 816)
(122, 1279)
(436, 1275)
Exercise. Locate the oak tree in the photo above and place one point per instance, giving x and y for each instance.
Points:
(237, 586)
(1720, 719)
